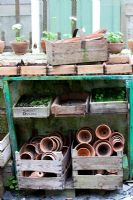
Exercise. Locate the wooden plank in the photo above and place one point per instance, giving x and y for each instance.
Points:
(96, 163)
(90, 69)
(118, 69)
(4, 142)
(33, 70)
(106, 182)
(109, 107)
(8, 71)
(49, 183)
(119, 59)
(36, 112)
(5, 155)
(61, 70)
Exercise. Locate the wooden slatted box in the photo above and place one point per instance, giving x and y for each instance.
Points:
(106, 182)
(61, 52)
(58, 166)
(5, 150)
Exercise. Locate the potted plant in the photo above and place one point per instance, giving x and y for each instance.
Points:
(19, 45)
(47, 36)
(115, 42)
(130, 45)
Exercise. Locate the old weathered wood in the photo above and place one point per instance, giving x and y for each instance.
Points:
(118, 69)
(106, 182)
(109, 107)
(59, 167)
(60, 52)
(5, 155)
(4, 142)
(8, 71)
(90, 69)
(37, 112)
(71, 104)
(33, 70)
(7, 171)
(61, 70)
(119, 59)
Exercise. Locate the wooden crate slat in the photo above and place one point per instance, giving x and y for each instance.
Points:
(49, 183)
(119, 59)
(118, 69)
(5, 155)
(8, 71)
(4, 142)
(90, 69)
(33, 70)
(61, 70)
(97, 163)
(106, 182)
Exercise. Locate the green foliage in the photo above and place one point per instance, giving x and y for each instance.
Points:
(33, 101)
(108, 94)
(12, 183)
(115, 37)
(49, 35)
(20, 39)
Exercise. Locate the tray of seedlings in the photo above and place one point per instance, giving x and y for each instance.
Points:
(97, 158)
(32, 107)
(43, 162)
(108, 100)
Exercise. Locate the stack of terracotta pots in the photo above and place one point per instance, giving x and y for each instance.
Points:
(42, 148)
(101, 142)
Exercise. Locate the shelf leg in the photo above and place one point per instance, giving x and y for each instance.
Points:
(9, 115)
(130, 140)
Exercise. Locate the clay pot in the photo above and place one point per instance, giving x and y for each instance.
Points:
(85, 135)
(30, 148)
(27, 156)
(57, 141)
(59, 135)
(38, 157)
(26, 173)
(87, 146)
(115, 48)
(37, 148)
(117, 141)
(130, 45)
(103, 132)
(47, 144)
(37, 174)
(103, 148)
(20, 48)
(43, 45)
(36, 139)
(48, 156)
(2, 46)
(83, 152)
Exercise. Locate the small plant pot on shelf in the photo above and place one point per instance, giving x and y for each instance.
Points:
(115, 48)
(71, 104)
(32, 110)
(5, 149)
(130, 45)
(20, 48)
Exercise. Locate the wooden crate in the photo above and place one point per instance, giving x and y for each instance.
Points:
(62, 70)
(8, 71)
(58, 166)
(33, 70)
(118, 69)
(109, 107)
(5, 150)
(119, 59)
(106, 182)
(71, 104)
(61, 52)
(90, 69)
(35, 112)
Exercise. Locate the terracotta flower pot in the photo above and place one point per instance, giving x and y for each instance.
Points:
(117, 141)
(103, 132)
(87, 146)
(47, 144)
(103, 148)
(36, 139)
(38, 157)
(57, 141)
(20, 48)
(27, 156)
(37, 174)
(2, 46)
(30, 148)
(83, 152)
(26, 173)
(115, 48)
(43, 46)
(85, 135)
(48, 156)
